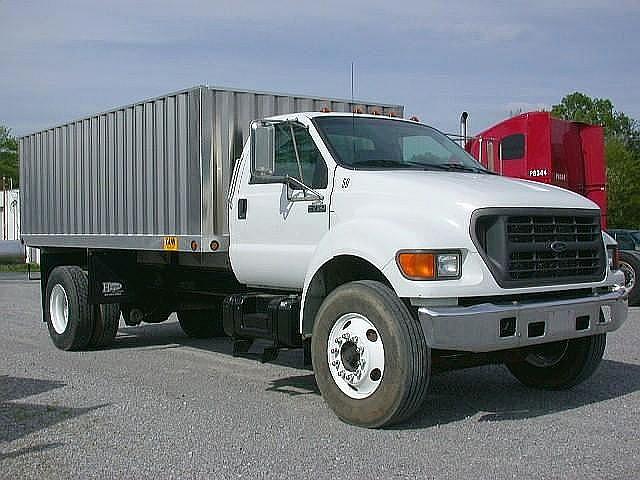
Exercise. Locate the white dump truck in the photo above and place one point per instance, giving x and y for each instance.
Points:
(375, 244)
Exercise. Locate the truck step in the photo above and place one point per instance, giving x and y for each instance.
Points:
(275, 318)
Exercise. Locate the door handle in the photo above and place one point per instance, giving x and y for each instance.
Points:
(242, 209)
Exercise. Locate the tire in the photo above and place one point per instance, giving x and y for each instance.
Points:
(202, 323)
(576, 361)
(630, 266)
(67, 286)
(389, 332)
(106, 319)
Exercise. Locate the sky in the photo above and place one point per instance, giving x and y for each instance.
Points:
(65, 59)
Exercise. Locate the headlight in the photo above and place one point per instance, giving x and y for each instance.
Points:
(448, 265)
(429, 265)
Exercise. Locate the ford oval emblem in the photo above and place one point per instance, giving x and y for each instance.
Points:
(558, 246)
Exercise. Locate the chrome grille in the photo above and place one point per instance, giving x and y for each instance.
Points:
(541, 246)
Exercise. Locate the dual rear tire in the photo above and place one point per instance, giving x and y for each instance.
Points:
(73, 324)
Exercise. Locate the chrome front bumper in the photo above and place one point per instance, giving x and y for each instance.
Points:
(478, 328)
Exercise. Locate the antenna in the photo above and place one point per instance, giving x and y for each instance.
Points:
(352, 105)
(353, 118)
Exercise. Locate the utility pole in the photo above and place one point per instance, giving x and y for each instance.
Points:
(5, 216)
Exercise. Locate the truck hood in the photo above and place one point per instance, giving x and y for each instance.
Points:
(434, 208)
(468, 191)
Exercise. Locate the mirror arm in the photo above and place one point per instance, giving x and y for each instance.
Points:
(295, 148)
(292, 180)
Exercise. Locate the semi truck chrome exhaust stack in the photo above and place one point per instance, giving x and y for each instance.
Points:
(463, 129)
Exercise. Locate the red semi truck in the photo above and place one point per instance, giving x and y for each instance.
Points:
(536, 146)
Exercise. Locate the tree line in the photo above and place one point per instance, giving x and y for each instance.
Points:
(622, 147)
(9, 166)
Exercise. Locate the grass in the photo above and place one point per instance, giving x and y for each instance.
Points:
(21, 267)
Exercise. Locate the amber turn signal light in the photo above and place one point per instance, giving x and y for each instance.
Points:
(417, 265)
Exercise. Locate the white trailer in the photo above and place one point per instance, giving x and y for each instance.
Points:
(12, 249)
(9, 215)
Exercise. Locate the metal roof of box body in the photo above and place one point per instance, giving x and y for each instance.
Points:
(129, 177)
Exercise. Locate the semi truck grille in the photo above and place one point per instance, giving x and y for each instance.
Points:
(540, 246)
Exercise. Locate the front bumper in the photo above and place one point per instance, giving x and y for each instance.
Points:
(478, 328)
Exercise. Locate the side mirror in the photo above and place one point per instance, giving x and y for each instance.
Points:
(263, 153)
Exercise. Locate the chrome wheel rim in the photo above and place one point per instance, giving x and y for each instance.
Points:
(629, 275)
(356, 356)
(59, 309)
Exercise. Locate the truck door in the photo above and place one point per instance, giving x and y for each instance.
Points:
(275, 226)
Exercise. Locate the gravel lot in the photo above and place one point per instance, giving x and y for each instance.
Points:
(160, 405)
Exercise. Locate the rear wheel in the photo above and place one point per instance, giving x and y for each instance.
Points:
(370, 358)
(202, 323)
(106, 319)
(67, 313)
(560, 365)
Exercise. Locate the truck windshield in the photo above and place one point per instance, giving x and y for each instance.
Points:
(366, 143)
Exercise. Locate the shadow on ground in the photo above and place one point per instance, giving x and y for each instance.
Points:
(170, 335)
(18, 419)
(489, 393)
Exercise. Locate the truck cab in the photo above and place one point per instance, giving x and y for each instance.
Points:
(484, 263)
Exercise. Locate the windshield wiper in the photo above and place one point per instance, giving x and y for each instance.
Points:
(423, 166)
(385, 163)
(458, 167)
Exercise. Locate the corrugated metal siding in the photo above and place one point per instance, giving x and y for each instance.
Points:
(154, 168)
(121, 172)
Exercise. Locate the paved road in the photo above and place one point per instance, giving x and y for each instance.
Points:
(159, 405)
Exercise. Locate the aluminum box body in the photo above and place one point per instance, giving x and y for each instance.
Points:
(130, 177)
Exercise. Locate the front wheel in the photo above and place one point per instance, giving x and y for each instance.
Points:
(370, 358)
(560, 365)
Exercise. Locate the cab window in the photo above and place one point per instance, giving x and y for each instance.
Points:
(311, 170)
(513, 147)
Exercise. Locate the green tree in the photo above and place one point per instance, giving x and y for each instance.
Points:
(622, 147)
(623, 185)
(9, 166)
(597, 111)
